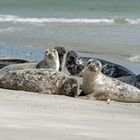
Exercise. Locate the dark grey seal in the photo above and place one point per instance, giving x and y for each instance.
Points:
(62, 54)
(6, 62)
(131, 80)
(75, 64)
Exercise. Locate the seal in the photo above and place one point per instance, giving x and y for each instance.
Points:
(138, 81)
(47, 81)
(62, 54)
(131, 80)
(101, 87)
(75, 65)
(50, 61)
(6, 62)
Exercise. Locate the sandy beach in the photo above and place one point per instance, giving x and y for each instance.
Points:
(105, 29)
(26, 115)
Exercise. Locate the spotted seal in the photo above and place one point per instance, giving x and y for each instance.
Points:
(101, 87)
(75, 64)
(47, 81)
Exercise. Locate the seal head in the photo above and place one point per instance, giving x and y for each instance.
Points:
(94, 65)
(72, 63)
(51, 60)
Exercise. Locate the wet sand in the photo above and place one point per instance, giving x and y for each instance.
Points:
(25, 115)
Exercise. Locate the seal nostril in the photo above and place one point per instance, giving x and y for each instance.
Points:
(49, 55)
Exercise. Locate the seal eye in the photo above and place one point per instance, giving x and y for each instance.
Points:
(89, 63)
(46, 51)
(98, 65)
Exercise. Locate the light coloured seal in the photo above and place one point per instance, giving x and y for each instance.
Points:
(40, 80)
(99, 86)
(50, 61)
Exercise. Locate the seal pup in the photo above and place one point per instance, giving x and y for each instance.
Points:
(50, 61)
(99, 86)
(75, 65)
(40, 80)
(62, 54)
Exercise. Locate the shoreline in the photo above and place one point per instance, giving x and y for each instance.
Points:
(37, 54)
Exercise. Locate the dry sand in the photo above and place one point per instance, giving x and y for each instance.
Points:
(31, 116)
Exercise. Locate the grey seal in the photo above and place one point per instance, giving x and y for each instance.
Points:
(99, 86)
(50, 61)
(7, 61)
(62, 54)
(40, 80)
(75, 65)
(131, 80)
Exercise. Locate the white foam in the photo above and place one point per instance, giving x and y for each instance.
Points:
(134, 58)
(133, 21)
(12, 18)
(16, 19)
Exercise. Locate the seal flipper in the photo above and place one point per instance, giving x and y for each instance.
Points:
(82, 93)
(70, 88)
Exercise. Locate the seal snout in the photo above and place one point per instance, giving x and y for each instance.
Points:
(51, 53)
(93, 65)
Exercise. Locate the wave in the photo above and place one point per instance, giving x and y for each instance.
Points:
(16, 19)
(135, 58)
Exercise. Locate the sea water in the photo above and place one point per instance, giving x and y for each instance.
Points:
(109, 29)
